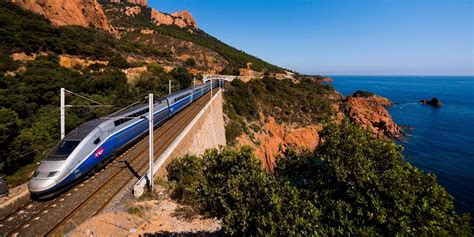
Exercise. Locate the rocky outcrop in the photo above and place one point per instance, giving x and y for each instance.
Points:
(160, 18)
(327, 80)
(433, 102)
(70, 12)
(69, 61)
(133, 11)
(182, 19)
(143, 3)
(369, 112)
(267, 143)
(185, 19)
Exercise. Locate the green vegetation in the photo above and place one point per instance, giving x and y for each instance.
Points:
(29, 98)
(300, 103)
(361, 93)
(24, 31)
(138, 211)
(354, 184)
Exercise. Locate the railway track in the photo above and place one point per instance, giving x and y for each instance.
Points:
(34, 217)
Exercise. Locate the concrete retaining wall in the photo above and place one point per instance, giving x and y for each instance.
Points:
(205, 131)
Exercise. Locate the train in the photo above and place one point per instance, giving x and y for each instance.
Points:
(93, 144)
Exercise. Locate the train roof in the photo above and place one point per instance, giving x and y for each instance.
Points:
(83, 130)
(174, 94)
(126, 111)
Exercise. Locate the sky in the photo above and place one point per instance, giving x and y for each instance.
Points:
(344, 37)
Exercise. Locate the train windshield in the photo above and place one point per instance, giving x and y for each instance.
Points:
(66, 147)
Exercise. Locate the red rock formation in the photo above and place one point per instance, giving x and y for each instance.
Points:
(185, 19)
(274, 135)
(133, 11)
(70, 12)
(181, 19)
(327, 79)
(370, 113)
(160, 18)
(143, 3)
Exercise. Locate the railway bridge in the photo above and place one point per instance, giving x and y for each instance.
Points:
(196, 128)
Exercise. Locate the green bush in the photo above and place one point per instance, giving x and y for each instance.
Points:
(232, 186)
(361, 93)
(354, 184)
(182, 75)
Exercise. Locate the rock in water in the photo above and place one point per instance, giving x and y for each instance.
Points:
(433, 102)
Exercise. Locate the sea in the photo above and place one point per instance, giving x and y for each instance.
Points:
(440, 140)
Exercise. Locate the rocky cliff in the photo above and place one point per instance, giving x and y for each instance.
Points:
(185, 19)
(70, 12)
(182, 19)
(274, 138)
(143, 3)
(369, 112)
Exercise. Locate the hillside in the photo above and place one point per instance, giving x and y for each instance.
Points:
(301, 159)
(180, 36)
(114, 65)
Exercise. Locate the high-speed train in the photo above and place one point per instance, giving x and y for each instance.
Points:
(91, 144)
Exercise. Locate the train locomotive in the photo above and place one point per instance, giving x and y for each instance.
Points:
(92, 144)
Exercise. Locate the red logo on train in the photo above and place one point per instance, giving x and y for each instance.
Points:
(99, 152)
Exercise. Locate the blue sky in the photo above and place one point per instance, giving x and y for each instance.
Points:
(351, 37)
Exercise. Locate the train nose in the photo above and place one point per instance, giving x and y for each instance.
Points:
(37, 186)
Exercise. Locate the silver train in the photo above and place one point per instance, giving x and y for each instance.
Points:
(91, 145)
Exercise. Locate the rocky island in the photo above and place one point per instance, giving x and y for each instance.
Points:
(433, 102)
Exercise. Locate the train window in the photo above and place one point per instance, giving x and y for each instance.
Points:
(97, 141)
(67, 147)
(120, 121)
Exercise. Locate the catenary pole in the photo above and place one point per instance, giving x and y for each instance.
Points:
(169, 86)
(151, 125)
(62, 109)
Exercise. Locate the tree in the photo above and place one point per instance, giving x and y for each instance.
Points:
(353, 184)
(190, 62)
(364, 186)
(231, 185)
(182, 75)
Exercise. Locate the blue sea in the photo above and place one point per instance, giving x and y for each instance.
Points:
(442, 139)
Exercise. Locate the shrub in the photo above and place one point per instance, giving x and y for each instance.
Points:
(354, 184)
(182, 75)
(190, 62)
(363, 185)
(361, 93)
(232, 186)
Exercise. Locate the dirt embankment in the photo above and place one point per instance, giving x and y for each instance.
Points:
(148, 217)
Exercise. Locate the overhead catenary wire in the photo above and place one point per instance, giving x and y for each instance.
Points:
(126, 107)
(85, 98)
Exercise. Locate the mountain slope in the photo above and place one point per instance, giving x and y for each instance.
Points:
(38, 57)
(144, 19)
(70, 12)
